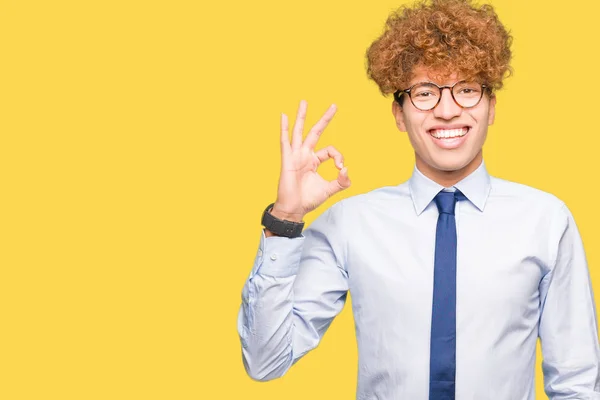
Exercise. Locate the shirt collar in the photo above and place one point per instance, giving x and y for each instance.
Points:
(476, 187)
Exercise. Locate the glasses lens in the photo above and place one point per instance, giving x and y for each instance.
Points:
(467, 94)
(425, 96)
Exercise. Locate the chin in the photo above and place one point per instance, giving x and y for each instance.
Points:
(450, 166)
(448, 161)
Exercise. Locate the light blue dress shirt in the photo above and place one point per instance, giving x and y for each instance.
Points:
(521, 273)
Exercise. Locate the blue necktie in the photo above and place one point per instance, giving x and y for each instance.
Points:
(442, 368)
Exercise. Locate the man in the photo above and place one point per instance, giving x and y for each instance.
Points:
(453, 274)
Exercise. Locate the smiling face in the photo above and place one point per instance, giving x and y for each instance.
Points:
(447, 140)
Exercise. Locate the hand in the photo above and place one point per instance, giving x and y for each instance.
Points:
(301, 189)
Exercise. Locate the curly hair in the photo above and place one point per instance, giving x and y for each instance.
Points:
(445, 37)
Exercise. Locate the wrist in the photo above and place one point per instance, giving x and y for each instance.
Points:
(293, 217)
(287, 217)
(280, 223)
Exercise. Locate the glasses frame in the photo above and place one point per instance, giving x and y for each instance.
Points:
(398, 94)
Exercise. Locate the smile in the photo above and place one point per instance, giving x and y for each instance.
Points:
(449, 133)
(449, 138)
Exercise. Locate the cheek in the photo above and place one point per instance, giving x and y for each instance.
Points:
(480, 120)
(415, 125)
(481, 115)
(417, 135)
(479, 135)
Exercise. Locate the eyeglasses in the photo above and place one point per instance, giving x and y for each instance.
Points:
(426, 96)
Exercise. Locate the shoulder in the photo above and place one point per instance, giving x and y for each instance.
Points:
(527, 196)
(528, 203)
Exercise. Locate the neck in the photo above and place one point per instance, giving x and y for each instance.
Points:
(448, 178)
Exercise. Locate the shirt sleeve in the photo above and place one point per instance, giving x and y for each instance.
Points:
(295, 289)
(568, 328)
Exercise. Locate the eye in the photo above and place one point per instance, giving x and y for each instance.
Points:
(468, 91)
(424, 94)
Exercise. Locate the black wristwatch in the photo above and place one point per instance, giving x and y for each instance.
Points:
(281, 227)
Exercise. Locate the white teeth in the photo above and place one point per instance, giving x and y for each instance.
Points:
(449, 133)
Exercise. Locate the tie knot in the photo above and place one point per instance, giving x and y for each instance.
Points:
(446, 201)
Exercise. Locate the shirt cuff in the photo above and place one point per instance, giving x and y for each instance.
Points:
(278, 256)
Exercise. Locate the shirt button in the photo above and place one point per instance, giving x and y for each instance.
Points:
(273, 257)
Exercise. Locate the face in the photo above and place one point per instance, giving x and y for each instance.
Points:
(445, 160)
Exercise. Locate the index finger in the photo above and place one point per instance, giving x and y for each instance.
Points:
(285, 135)
(315, 132)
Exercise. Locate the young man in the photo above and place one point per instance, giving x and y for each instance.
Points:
(453, 274)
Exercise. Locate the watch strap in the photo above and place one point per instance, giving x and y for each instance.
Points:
(281, 227)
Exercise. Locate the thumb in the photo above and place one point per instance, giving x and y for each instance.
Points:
(342, 182)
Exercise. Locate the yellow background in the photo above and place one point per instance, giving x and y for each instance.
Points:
(139, 144)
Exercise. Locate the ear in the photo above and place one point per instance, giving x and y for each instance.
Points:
(399, 116)
(492, 110)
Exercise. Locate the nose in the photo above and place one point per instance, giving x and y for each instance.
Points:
(447, 107)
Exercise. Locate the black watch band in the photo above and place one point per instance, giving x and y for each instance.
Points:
(281, 227)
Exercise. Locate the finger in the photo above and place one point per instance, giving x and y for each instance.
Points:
(315, 132)
(285, 135)
(299, 125)
(331, 152)
(342, 182)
